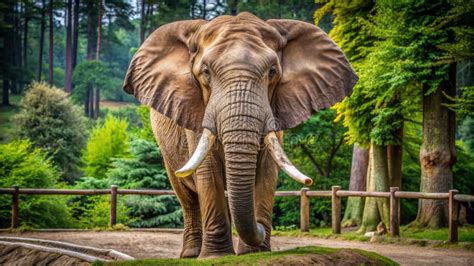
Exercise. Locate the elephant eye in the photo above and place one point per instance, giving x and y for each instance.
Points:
(206, 72)
(272, 72)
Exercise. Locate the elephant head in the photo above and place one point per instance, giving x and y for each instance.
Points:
(239, 79)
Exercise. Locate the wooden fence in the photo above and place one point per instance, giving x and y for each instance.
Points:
(336, 194)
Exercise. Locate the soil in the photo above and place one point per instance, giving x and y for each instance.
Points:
(168, 245)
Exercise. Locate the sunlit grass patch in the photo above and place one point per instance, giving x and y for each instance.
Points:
(293, 256)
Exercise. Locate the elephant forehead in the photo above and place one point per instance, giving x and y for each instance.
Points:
(243, 28)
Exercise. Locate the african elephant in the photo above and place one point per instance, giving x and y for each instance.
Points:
(220, 93)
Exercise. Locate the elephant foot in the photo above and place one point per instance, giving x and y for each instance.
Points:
(207, 253)
(243, 248)
(190, 252)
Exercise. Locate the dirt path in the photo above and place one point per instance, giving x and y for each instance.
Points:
(168, 245)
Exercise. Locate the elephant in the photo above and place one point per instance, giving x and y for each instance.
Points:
(221, 93)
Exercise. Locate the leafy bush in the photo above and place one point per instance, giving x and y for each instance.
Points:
(55, 125)
(95, 212)
(25, 166)
(145, 170)
(106, 142)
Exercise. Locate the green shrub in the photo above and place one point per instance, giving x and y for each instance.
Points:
(95, 213)
(107, 141)
(55, 125)
(144, 169)
(26, 166)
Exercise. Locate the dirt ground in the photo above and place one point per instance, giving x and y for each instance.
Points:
(168, 245)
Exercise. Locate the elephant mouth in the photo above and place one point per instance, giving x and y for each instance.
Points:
(208, 139)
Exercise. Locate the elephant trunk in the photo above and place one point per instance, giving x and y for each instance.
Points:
(240, 168)
(241, 121)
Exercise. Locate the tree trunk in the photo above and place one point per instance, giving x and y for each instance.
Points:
(89, 101)
(68, 70)
(376, 209)
(41, 41)
(25, 39)
(437, 153)
(233, 7)
(355, 205)
(15, 64)
(51, 42)
(90, 31)
(75, 34)
(6, 59)
(395, 160)
(142, 21)
(99, 31)
(97, 103)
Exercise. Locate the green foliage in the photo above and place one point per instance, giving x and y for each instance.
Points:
(95, 213)
(145, 131)
(55, 125)
(90, 75)
(25, 166)
(144, 169)
(318, 149)
(107, 141)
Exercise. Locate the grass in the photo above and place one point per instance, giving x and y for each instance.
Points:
(7, 128)
(421, 237)
(256, 258)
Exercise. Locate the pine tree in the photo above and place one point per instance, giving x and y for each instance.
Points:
(144, 169)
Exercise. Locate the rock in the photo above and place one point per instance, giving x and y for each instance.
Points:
(369, 234)
(381, 229)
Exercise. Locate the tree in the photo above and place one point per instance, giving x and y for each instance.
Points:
(25, 166)
(54, 124)
(51, 42)
(87, 76)
(41, 41)
(107, 141)
(69, 63)
(75, 34)
(359, 168)
(145, 169)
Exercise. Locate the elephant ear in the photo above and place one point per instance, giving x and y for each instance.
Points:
(160, 75)
(316, 73)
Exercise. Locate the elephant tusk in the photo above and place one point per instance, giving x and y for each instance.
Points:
(282, 160)
(204, 146)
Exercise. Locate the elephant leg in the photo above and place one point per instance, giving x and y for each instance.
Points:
(265, 186)
(217, 234)
(188, 199)
(175, 149)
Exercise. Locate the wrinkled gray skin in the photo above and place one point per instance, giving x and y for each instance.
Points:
(241, 78)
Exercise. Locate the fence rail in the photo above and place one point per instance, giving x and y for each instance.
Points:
(336, 195)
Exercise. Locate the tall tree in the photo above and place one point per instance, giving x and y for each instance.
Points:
(437, 153)
(51, 42)
(75, 33)
(41, 40)
(359, 168)
(142, 21)
(97, 57)
(89, 99)
(68, 70)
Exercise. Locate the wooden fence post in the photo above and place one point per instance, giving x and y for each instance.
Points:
(336, 211)
(394, 207)
(304, 210)
(453, 216)
(15, 203)
(113, 205)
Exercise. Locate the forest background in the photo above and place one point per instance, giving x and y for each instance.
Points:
(65, 121)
